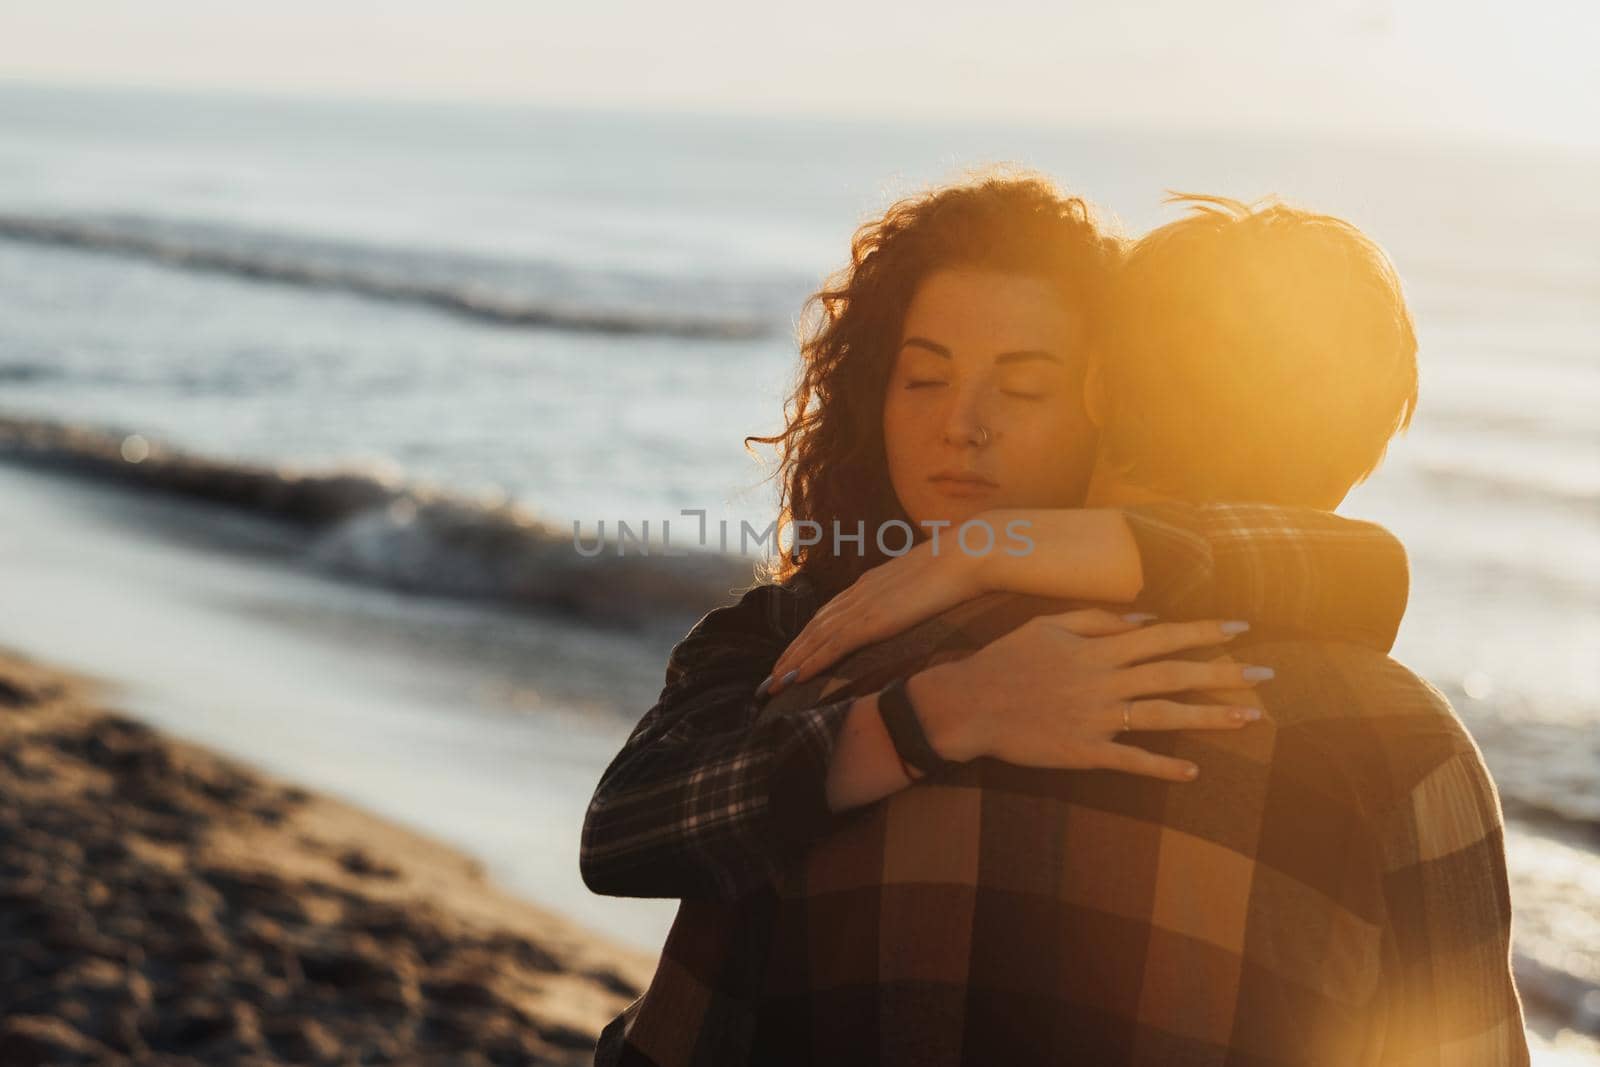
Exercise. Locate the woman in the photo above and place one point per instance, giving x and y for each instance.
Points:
(942, 381)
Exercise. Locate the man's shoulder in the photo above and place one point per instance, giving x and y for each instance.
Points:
(1342, 680)
(1388, 728)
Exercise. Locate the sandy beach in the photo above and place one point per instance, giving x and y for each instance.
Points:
(164, 904)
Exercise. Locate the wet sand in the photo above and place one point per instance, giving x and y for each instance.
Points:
(163, 904)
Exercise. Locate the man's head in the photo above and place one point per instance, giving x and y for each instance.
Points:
(1251, 354)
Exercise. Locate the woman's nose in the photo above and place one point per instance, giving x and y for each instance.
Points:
(960, 438)
(964, 423)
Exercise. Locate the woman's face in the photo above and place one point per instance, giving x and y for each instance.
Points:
(1002, 351)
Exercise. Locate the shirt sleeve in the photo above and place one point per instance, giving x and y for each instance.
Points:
(1298, 570)
(705, 801)
(1447, 992)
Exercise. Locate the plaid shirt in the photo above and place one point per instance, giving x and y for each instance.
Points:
(715, 803)
(1332, 889)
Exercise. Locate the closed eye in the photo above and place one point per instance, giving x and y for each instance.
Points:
(919, 383)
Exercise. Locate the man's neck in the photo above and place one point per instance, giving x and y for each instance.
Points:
(1107, 490)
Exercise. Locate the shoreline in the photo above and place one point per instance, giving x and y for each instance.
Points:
(480, 726)
(170, 902)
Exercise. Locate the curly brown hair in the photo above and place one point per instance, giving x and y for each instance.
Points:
(833, 464)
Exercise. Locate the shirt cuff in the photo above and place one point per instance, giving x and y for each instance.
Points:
(1175, 556)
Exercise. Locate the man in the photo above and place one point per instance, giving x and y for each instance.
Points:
(1332, 890)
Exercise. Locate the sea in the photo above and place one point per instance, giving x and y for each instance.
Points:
(474, 328)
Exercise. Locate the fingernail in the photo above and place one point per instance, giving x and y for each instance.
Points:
(1191, 772)
(1236, 626)
(766, 683)
(790, 676)
(1139, 617)
(1247, 714)
(1259, 674)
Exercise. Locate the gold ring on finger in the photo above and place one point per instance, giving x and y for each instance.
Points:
(1127, 715)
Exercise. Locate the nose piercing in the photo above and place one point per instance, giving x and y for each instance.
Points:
(985, 438)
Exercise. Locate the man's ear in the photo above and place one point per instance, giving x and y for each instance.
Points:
(1096, 405)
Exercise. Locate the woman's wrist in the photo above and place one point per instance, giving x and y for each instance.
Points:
(1024, 539)
(950, 720)
(987, 571)
(960, 569)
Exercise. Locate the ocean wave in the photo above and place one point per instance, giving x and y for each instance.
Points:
(27, 372)
(264, 258)
(370, 525)
(1544, 770)
(1500, 486)
(1521, 426)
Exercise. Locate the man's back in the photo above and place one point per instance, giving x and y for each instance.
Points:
(1330, 890)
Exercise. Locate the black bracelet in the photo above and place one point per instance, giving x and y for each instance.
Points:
(905, 730)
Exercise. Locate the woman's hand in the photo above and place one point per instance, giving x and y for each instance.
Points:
(891, 597)
(1070, 553)
(1058, 689)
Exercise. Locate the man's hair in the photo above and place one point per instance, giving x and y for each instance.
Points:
(1255, 352)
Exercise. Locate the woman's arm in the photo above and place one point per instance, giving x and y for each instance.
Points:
(1058, 691)
(1287, 568)
(1069, 553)
(1291, 569)
(1077, 553)
(701, 801)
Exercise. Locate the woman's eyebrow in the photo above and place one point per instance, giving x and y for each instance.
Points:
(1004, 357)
(923, 343)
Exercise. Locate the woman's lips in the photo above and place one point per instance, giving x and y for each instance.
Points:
(962, 486)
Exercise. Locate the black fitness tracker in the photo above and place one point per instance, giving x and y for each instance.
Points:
(905, 730)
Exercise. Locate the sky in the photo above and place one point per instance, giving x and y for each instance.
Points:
(1524, 71)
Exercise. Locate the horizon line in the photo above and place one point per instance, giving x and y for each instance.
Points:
(691, 110)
